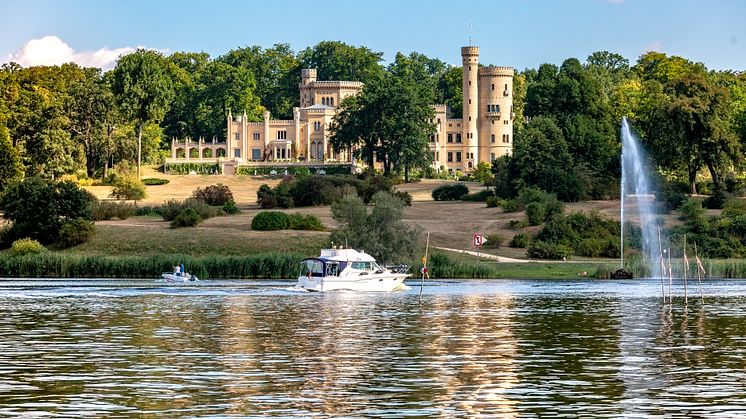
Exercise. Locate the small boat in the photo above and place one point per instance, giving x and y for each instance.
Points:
(177, 277)
(348, 269)
(621, 274)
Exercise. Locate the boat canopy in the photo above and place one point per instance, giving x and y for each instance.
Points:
(345, 255)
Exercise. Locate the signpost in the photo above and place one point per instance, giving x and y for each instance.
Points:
(478, 242)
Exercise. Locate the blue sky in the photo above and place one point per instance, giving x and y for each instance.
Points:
(517, 33)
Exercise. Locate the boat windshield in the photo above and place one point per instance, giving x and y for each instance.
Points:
(365, 266)
(313, 266)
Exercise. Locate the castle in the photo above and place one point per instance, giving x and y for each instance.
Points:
(484, 133)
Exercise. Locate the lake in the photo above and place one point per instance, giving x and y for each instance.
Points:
(502, 348)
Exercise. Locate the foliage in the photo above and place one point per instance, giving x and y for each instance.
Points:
(335, 60)
(214, 194)
(717, 200)
(10, 162)
(494, 241)
(270, 221)
(297, 171)
(172, 208)
(492, 201)
(299, 221)
(535, 213)
(481, 196)
(75, 232)
(520, 240)
(450, 192)
(188, 168)
(154, 181)
(128, 188)
(26, 246)
(585, 234)
(188, 217)
(38, 208)
(106, 210)
(230, 207)
(482, 172)
(542, 250)
(381, 233)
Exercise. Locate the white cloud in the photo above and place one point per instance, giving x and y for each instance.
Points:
(654, 47)
(51, 50)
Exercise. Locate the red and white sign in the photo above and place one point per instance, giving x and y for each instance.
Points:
(479, 240)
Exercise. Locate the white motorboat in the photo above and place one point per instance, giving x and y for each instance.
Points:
(348, 269)
(177, 277)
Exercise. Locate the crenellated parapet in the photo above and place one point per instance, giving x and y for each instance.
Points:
(495, 71)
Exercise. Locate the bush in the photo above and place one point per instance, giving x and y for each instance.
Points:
(26, 246)
(691, 210)
(266, 197)
(517, 224)
(480, 196)
(76, 232)
(128, 188)
(543, 250)
(214, 194)
(452, 192)
(270, 221)
(188, 217)
(520, 240)
(148, 211)
(230, 207)
(171, 209)
(509, 205)
(106, 210)
(494, 241)
(717, 200)
(492, 201)
(535, 213)
(405, 197)
(151, 181)
(303, 222)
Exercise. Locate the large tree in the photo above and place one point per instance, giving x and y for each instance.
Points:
(334, 60)
(143, 89)
(10, 163)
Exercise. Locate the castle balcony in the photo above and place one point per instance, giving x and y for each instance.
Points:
(493, 115)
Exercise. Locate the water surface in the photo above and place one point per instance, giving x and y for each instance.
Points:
(467, 348)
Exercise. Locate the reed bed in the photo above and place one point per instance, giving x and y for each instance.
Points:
(57, 265)
(714, 268)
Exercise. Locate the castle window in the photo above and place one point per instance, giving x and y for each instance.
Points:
(469, 80)
(458, 156)
(505, 122)
(282, 135)
(238, 136)
(450, 137)
(237, 152)
(469, 118)
(507, 138)
(492, 156)
(332, 101)
(438, 121)
(469, 101)
(450, 157)
(492, 138)
(458, 137)
(437, 155)
(493, 88)
(256, 136)
(317, 126)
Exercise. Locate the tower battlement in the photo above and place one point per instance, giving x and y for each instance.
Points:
(469, 51)
(495, 71)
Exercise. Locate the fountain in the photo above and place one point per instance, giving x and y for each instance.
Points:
(635, 186)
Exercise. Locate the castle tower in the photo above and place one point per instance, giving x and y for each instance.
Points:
(495, 112)
(470, 61)
(307, 76)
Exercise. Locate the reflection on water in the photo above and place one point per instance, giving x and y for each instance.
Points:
(491, 349)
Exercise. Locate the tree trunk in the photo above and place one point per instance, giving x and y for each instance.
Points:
(692, 181)
(406, 173)
(107, 155)
(139, 149)
(714, 174)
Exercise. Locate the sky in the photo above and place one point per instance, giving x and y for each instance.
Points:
(516, 33)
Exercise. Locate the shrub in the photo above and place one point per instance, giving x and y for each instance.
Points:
(171, 209)
(188, 217)
(543, 250)
(148, 211)
(452, 192)
(590, 247)
(26, 246)
(492, 201)
(494, 241)
(266, 197)
(128, 188)
(106, 210)
(480, 196)
(517, 224)
(230, 207)
(270, 221)
(151, 181)
(303, 222)
(717, 200)
(214, 194)
(405, 197)
(535, 213)
(76, 232)
(520, 240)
(509, 205)
(691, 210)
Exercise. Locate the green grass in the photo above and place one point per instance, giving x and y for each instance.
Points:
(449, 265)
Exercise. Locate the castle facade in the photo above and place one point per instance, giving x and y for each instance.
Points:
(484, 133)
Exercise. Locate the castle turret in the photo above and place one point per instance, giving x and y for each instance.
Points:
(470, 61)
(495, 112)
(307, 76)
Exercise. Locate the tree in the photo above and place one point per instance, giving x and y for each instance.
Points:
(10, 163)
(143, 90)
(334, 60)
(449, 91)
(381, 233)
(38, 208)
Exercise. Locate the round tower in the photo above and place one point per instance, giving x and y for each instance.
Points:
(495, 112)
(470, 61)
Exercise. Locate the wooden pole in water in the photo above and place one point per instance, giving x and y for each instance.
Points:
(700, 271)
(662, 266)
(686, 269)
(424, 265)
(670, 277)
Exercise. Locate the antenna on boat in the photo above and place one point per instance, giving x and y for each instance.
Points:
(424, 266)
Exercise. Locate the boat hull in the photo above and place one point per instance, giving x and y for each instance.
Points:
(373, 283)
(175, 279)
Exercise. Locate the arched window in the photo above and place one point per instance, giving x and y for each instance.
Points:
(331, 101)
